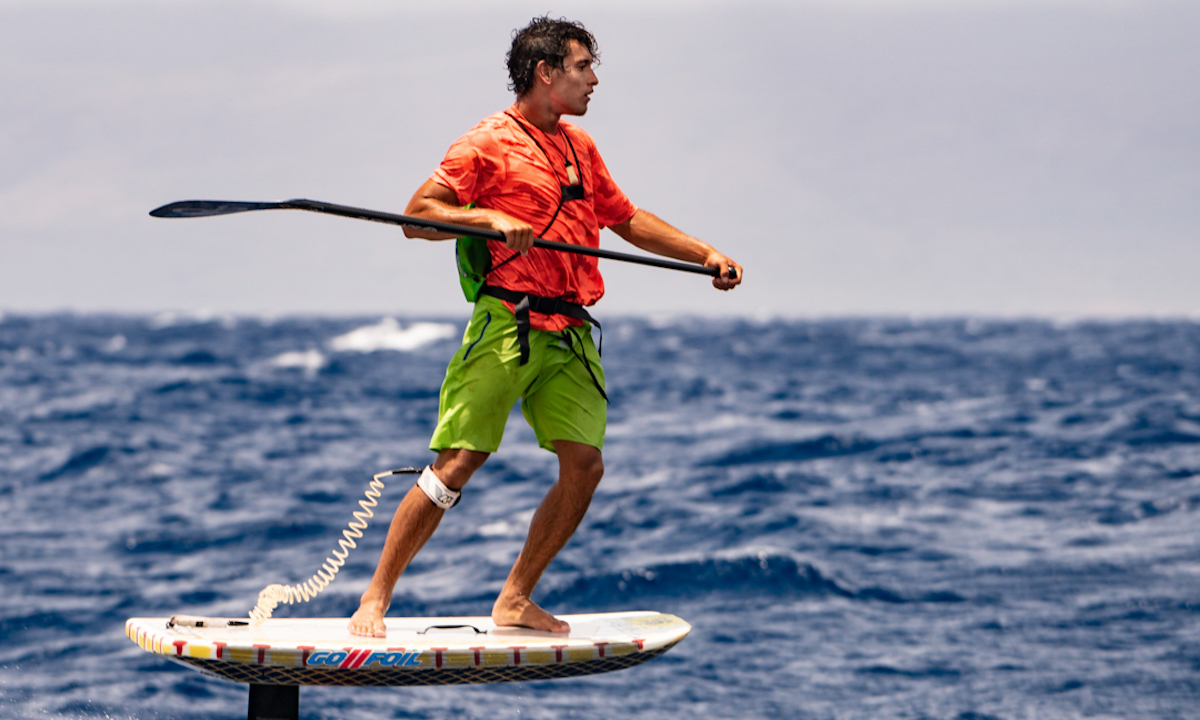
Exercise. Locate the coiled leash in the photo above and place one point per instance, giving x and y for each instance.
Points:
(273, 595)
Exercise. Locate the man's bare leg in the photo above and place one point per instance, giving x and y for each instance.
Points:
(580, 469)
(414, 522)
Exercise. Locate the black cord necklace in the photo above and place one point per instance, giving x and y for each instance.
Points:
(573, 191)
(572, 174)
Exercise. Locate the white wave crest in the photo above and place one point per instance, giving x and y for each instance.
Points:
(310, 361)
(388, 335)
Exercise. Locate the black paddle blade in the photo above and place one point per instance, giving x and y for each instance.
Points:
(206, 208)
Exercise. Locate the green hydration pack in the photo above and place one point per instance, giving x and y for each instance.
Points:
(474, 263)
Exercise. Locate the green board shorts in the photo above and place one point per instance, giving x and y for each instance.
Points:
(485, 378)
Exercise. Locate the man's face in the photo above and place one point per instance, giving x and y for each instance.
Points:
(571, 87)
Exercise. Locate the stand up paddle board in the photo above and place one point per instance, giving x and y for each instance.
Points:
(416, 651)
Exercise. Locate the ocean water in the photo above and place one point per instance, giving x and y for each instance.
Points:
(875, 518)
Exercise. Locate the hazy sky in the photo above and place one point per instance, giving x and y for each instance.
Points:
(930, 158)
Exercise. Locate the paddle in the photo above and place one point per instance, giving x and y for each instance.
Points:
(206, 208)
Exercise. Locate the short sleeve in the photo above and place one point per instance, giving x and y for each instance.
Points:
(611, 204)
(469, 168)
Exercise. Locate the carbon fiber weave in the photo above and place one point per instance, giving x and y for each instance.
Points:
(267, 675)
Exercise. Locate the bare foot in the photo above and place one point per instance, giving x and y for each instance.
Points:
(368, 621)
(520, 611)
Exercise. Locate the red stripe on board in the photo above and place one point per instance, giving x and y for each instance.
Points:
(601, 645)
(179, 645)
(437, 658)
(641, 643)
(517, 653)
(558, 652)
(305, 651)
(220, 649)
(262, 653)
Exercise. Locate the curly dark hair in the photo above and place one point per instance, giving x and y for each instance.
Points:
(544, 39)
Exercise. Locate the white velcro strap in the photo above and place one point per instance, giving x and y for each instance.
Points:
(442, 496)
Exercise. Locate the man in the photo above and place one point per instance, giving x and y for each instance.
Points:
(525, 174)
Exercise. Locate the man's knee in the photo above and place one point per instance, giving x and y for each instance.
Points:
(590, 473)
(594, 468)
(582, 464)
(455, 466)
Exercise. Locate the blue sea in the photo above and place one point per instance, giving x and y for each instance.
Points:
(862, 518)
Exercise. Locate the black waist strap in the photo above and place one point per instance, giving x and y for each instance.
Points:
(538, 304)
(524, 304)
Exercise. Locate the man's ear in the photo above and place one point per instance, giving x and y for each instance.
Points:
(542, 71)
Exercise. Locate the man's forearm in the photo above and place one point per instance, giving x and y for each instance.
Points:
(439, 203)
(427, 205)
(652, 234)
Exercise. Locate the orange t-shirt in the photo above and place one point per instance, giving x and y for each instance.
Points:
(497, 165)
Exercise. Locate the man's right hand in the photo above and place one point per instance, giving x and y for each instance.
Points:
(518, 235)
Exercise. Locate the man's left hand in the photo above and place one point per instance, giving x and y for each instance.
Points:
(724, 264)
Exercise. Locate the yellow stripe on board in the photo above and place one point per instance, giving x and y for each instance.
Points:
(585, 653)
(495, 658)
(199, 651)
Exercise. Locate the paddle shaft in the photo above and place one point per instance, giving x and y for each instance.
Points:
(417, 223)
(201, 208)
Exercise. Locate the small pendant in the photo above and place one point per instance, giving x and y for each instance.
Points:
(572, 176)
